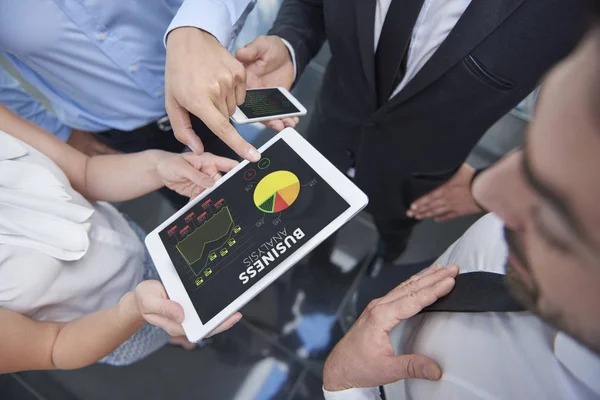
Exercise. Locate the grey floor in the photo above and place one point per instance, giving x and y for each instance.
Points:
(277, 351)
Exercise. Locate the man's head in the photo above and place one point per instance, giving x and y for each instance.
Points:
(548, 195)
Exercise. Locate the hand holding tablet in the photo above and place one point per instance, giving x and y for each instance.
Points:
(232, 241)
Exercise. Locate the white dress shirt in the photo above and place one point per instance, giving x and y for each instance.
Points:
(61, 257)
(436, 19)
(488, 356)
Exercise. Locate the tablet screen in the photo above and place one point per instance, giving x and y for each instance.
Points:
(230, 240)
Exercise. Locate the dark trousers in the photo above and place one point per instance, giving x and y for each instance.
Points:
(393, 236)
(152, 137)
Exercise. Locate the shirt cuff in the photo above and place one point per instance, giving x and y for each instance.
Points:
(292, 54)
(216, 17)
(353, 394)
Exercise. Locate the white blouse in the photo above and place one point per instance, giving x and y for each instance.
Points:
(61, 256)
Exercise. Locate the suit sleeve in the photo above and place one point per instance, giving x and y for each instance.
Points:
(301, 23)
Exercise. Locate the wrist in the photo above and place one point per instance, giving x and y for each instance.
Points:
(218, 19)
(155, 159)
(128, 310)
(333, 380)
(476, 173)
(184, 31)
(291, 54)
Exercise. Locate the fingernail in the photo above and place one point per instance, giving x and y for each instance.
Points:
(413, 207)
(253, 154)
(410, 214)
(216, 177)
(432, 373)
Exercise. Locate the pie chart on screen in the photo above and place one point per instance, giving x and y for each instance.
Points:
(276, 192)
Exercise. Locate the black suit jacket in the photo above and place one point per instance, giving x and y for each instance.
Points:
(491, 60)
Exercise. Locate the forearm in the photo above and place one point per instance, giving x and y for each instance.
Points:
(86, 340)
(301, 23)
(26, 344)
(108, 177)
(122, 177)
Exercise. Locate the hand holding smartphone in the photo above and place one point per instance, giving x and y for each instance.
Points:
(267, 104)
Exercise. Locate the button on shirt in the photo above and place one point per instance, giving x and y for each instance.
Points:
(101, 63)
(489, 356)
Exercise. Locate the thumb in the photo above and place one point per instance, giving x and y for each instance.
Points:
(250, 53)
(182, 126)
(417, 366)
(198, 178)
(170, 310)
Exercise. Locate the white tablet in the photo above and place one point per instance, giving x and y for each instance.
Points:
(228, 244)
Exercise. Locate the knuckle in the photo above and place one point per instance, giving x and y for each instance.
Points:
(215, 88)
(240, 72)
(226, 78)
(145, 304)
(223, 127)
(377, 312)
(372, 304)
(164, 310)
(412, 297)
(409, 284)
(411, 367)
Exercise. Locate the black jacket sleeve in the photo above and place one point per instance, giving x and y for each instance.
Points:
(301, 23)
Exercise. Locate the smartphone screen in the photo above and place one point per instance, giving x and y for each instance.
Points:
(262, 103)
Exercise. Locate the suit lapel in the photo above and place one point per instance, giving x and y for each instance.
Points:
(479, 20)
(365, 28)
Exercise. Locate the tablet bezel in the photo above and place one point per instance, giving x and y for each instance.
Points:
(196, 329)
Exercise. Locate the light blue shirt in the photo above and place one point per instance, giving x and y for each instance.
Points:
(100, 63)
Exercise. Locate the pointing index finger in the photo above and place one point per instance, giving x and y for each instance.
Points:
(221, 127)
